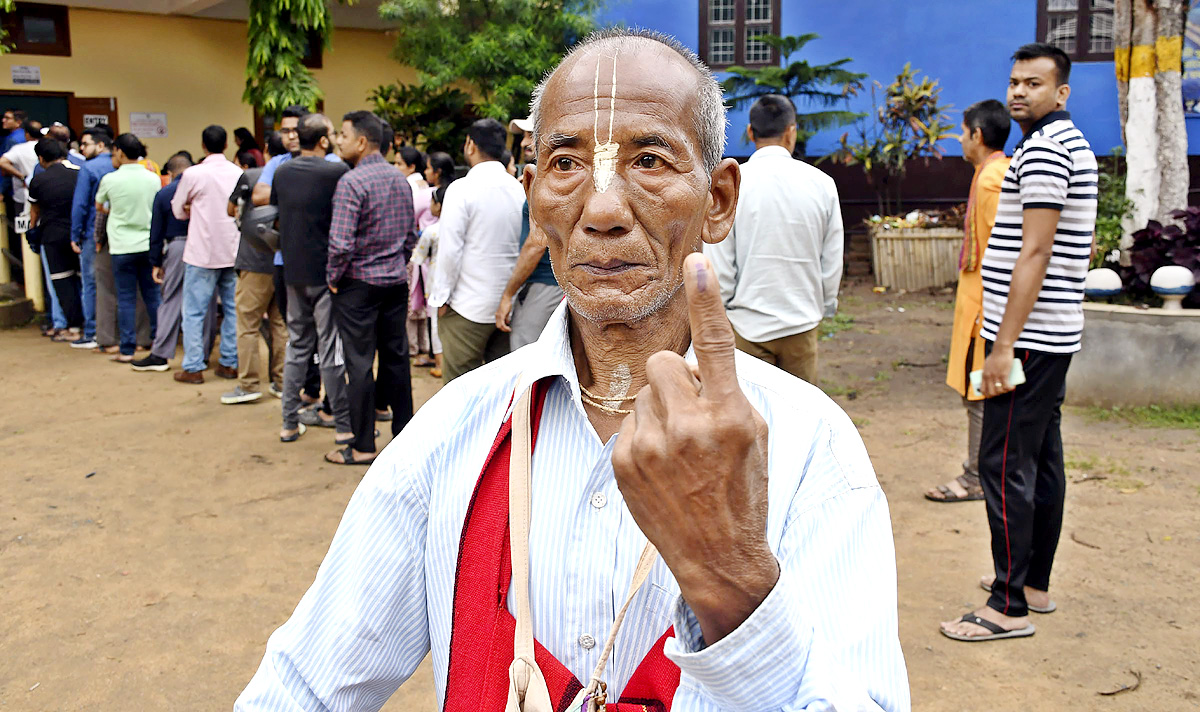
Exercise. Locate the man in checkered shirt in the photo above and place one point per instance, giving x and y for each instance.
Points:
(372, 234)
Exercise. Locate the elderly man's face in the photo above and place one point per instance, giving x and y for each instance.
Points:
(619, 253)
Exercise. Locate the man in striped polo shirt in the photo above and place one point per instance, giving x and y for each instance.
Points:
(1033, 273)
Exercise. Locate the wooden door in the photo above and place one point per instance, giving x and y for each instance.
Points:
(86, 112)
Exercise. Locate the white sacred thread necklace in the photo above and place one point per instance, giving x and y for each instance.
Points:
(604, 155)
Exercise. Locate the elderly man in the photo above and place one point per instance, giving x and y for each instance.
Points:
(775, 589)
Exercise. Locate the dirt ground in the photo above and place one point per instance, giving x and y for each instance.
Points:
(151, 538)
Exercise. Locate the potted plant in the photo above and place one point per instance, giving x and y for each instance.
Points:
(907, 251)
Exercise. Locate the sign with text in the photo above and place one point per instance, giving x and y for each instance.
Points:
(29, 75)
(148, 124)
(90, 120)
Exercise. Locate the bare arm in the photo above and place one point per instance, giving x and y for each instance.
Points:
(527, 262)
(261, 194)
(1037, 242)
(7, 167)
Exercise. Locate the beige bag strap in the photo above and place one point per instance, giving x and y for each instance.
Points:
(640, 574)
(527, 686)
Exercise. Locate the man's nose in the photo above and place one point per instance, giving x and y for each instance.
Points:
(607, 213)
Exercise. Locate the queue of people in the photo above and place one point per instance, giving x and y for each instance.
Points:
(364, 271)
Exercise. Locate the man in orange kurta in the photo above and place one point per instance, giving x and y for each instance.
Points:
(985, 130)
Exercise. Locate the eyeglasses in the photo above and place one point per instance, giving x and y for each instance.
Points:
(289, 131)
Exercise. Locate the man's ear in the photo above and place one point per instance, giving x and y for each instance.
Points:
(1064, 93)
(722, 201)
(749, 133)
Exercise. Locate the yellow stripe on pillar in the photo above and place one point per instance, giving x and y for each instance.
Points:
(1121, 63)
(1169, 51)
(1142, 62)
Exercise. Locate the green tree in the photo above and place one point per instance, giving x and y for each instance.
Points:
(6, 6)
(280, 32)
(819, 86)
(498, 48)
(433, 119)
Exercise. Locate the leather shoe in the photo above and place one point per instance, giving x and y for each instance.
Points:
(189, 376)
(225, 371)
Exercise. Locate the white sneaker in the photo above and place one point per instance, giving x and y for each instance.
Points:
(84, 343)
(238, 395)
(275, 391)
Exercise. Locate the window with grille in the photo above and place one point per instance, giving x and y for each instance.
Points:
(1081, 28)
(731, 32)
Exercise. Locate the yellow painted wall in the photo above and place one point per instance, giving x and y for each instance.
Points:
(194, 70)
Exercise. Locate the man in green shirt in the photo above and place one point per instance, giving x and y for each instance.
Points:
(127, 195)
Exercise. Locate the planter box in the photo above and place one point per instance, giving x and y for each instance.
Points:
(1136, 357)
(15, 312)
(913, 259)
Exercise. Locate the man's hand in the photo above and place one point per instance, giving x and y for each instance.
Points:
(75, 246)
(332, 289)
(997, 367)
(156, 273)
(98, 247)
(503, 312)
(691, 463)
(443, 310)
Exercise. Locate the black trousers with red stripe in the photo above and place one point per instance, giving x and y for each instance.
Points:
(1021, 469)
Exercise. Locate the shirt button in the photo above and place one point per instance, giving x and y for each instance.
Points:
(587, 642)
(599, 500)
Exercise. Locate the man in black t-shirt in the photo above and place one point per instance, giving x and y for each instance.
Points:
(303, 190)
(50, 196)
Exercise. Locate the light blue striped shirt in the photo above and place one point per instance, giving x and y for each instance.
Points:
(825, 638)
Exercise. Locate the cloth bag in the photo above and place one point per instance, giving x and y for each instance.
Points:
(527, 689)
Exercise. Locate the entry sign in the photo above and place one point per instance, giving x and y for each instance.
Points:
(27, 74)
(148, 124)
(21, 223)
(90, 120)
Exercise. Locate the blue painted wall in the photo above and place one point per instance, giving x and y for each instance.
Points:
(965, 44)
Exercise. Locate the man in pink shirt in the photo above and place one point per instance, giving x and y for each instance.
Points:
(212, 242)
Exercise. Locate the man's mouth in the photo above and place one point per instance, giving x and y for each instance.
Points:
(607, 268)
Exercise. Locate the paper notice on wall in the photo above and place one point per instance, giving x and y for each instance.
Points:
(90, 120)
(27, 75)
(148, 124)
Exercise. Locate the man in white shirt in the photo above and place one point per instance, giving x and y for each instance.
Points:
(770, 584)
(19, 161)
(479, 237)
(780, 267)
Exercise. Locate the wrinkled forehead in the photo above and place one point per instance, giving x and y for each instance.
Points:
(654, 90)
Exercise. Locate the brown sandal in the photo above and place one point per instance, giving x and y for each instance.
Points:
(968, 483)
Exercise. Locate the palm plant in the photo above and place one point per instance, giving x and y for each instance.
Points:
(818, 86)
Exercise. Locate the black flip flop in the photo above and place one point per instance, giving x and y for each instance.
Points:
(300, 430)
(347, 458)
(997, 633)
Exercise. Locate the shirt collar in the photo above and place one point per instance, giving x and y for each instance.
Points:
(131, 165)
(214, 158)
(370, 158)
(1044, 122)
(486, 166)
(767, 151)
(551, 356)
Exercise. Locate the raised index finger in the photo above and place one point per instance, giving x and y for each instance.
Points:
(712, 336)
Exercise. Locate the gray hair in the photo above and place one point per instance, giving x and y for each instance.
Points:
(709, 118)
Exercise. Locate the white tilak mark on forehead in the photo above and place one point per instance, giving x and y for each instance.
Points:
(604, 155)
